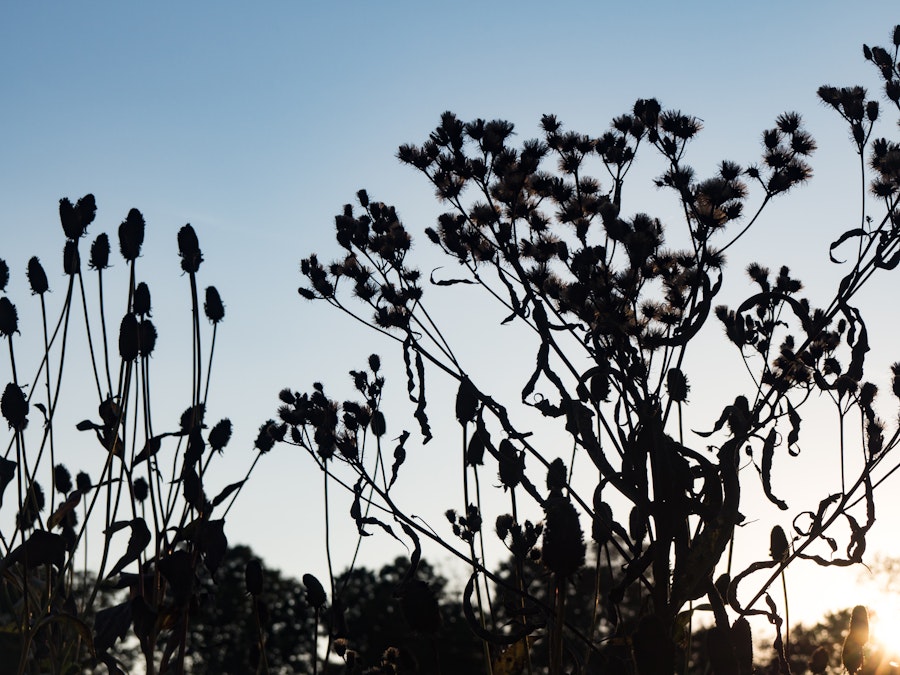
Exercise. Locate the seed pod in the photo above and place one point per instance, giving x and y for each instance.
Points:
(378, 424)
(4, 274)
(556, 475)
(129, 338)
(131, 235)
(219, 435)
(140, 489)
(31, 506)
(512, 464)
(779, 548)
(563, 546)
(742, 639)
(83, 482)
(677, 385)
(99, 252)
(62, 479)
(9, 318)
(818, 662)
(213, 307)
(147, 337)
(37, 278)
(253, 577)
(71, 258)
(140, 304)
(466, 401)
(315, 594)
(853, 650)
(475, 451)
(189, 249)
(374, 362)
(68, 218)
(14, 407)
(720, 650)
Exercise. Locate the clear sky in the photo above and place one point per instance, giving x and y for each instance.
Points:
(256, 123)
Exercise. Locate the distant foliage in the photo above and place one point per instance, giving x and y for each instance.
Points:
(611, 311)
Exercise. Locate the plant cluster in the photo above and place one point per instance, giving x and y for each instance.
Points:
(161, 537)
(612, 312)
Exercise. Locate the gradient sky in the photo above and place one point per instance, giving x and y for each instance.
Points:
(257, 123)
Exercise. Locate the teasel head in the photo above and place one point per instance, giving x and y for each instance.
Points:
(213, 306)
(219, 435)
(37, 278)
(9, 318)
(4, 274)
(563, 547)
(83, 482)
(99, 252)
(62, 479)
(14, 407)
(779, 547)
(129, 338)
(131, 235)
(677, 385)
(189, 249)
(71, 258)
(853, 650)
(140, 489)
(315, 593)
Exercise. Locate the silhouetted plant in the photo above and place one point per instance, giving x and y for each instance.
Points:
(612, 312)
(144, 496)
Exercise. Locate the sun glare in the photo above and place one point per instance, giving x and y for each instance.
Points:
(884, 623)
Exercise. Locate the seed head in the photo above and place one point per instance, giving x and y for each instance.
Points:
(129, 338)
(131, 235)
(100, 252)
(62, 479)
(37, 278)
(253, 577)
(141, 303)
(140, 489)
(14, 407)
(189, 249)
(215, 310)
(315, 593)
(71, 258)
(219, 435)
(4, 274)
(83, 482)
(9, 318)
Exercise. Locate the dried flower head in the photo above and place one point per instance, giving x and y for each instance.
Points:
(315, 593)
(129, 337)
(71, 258)
(37, 278)
(62, 479)
(189, 249)
(14, 407)
(253, 577)
(219, 435)
(9, 318)
(99, 252)
(131, 235)
(213, 307)
(83, 482)
(4, 274)
(140, 489)
(140, 304)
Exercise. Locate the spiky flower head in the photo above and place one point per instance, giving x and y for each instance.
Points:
(189, 249)
(213, 306)
(131, 235)
(37, 278)
(100, 252)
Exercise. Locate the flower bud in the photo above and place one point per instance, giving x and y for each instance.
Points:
(37, 278)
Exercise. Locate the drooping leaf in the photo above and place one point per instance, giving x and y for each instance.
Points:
(768, 453)
(228, 490)
(41, 548)
(111, 624)
(7, 473)
(139, 540)
(399, 457)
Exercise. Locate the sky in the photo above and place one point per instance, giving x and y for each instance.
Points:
(256, 123)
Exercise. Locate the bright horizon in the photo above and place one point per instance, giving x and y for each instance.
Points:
(256, 126)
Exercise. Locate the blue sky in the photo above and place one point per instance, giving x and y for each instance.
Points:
(256, 123)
